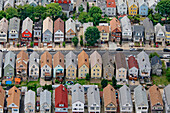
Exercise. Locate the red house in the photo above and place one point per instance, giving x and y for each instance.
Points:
(62, 1)
(115, 30)
(27, 31)
(61, 100)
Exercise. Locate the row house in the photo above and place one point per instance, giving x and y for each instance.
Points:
(152, 5)
(1, 5)
(33, 3)
(167, 32)
(9, 4)
(58, 65)
(104, 33)
(166, 98)
(156, 65)
(45, 101)
(83, 64)
(122, 7)
(132, 68)
(71, 65)
(27, 31)
(81, 4)
(93, 97)
(78, 99)
(115, 30)
(126, 29)
(110, 102)
(2, 95)
(96, 65)
(144, 66)
(108, 66)
(1, 63)
(13, 100)
(14, 30)
(22, 64)
(45, 2)
(132, 7)
(160, 34)
(29, 102)
(121, 67)
(47, 31)
(125, 100)
(9, 65)
(102, 5)
(46, 65)
(155, 98)
(149, 30)
(3, 30)
(141, 100)
(37, 32)
(34, 66)
(70, 30)
(61, 99)
(20, 3)
(143, 7)
(110, 8)
(138, 34)
(59, 31)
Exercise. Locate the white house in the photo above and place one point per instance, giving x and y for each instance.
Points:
(166, 98)
(121, 7)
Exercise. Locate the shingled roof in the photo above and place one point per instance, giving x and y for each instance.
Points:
(46, 58)
(132, 62)
(58, 59)
(83, 58)
(120, 60)
(59, 25)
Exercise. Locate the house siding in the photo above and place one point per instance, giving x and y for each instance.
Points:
(96, 71)
(83, 70)
(108, 72)
(58, 69)
(9, 71)
(121, 74)
(143, 10)
(72, 72)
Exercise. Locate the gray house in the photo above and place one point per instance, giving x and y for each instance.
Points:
(29, 102)
(14, 30)
(37, 32)
(102, 5)
(81, 4)
(108, 66)
(166, 98)
(156, 65)
(45, 102)
(125, 100)
(138, 33)
(141, 101)
(160, 36)
(1, 62)
(1, 5)
(149, 30)
(9, 65)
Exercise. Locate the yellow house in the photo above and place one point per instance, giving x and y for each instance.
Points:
(104, 33)
(71, 72)
(96, 65)
(167, 32)
(83, 64)
(132, 7)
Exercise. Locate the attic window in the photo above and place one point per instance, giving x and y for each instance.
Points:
(11, 59)
(85, 60)
(60, 59)
(143, 60)
(16, 91)
(47, 60)
(111, 89)
(72, 60)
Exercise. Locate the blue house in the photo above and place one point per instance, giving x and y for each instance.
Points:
(143, 7)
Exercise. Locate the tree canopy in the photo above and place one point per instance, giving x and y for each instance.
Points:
(164, 7)
(153, 54)
(104, 83)
(75, 40)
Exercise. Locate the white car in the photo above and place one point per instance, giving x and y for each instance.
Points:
(4, 49)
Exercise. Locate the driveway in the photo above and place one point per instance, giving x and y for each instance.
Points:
(112, 46)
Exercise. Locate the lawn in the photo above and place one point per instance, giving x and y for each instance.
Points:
(160, 80)
(30, 83)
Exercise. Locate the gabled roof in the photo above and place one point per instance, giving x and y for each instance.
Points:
(111, 3)
(138, 28)
(71, 59)
(48, 25)
(59, 25)
(115, 24)
(34, 59)
(1, 59)
(45, 97)
(46, 58)
(125, 24)
(125, 95)
(104, 29)
(22, 59)
(70, 24)
(155, 95)
(93, 96)
(13, 96)
(132, 62)
(167, 94)
(30, 98)
(167, 27)
(141, 2)
(95, 58)
(11, 2)
(120, 2)
(120, 60)
(61, 96)
(78, 93)
(143, 59)
(38, 25)
(58, 59)
(109, 95)
(107, 59)
(159, 27)
(10, 59)
(32, 1)
(27, 25)
(155, 60)
(14, 24)
(4, 25)
(2, 96)
(132, 2)
(140, 96)
(83, 58)
(1, 4)
(147, 23)
(151, 2)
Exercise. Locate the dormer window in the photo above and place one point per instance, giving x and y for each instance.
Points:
(85, 60)
(60, 59)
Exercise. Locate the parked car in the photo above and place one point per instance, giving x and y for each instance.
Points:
(166, 50)
(51, 50)
(119, 49)
(37, 106)
(86, 49)
(132, 49)
(156, 45)
(4, 49)
(140, 49)
(30, 50)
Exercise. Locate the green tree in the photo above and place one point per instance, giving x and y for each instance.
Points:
(104, 83)
(75, 40)
(153, 54)
(64, 44)
(11, 12)
(92, 34)
(114, 81)
(94, 10)
(32, 44)
(81, 9)
(54, 10)
(87, 76)
(168, 74)
(157, 16)
(39, 13)
(2, 14)
(87, 6)
(96, 18)
(164, 7)
(83, 17)
(81, 40)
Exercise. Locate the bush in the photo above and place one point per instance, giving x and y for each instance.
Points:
(104, 83)
(56, 81)
(87, 76)
(64, 44)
